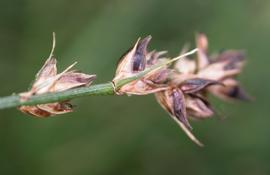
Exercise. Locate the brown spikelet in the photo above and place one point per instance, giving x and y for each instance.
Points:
(47, 80)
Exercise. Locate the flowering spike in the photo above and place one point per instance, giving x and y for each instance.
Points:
(47, 80)
(137, 60)
(172, 100)
(182, 90)
(195, 78)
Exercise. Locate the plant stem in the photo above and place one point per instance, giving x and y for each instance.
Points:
(99, 89)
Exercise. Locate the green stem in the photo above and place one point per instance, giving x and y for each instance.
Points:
(99, 89)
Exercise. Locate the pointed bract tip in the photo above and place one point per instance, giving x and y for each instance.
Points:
(53, 44)
(202, 41)
(143, 43)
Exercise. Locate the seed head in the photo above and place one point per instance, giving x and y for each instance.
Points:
(135, 60)
(47, 80)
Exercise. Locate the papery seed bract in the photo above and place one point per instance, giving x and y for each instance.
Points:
(198, 107)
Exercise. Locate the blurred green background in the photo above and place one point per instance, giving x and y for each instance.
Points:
(131, 135)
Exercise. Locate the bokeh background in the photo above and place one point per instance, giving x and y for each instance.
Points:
(131, 135)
